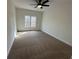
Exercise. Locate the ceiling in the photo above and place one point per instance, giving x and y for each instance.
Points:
(27, 4)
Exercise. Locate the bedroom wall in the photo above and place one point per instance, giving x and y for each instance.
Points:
(11, 24)
(20, 18)
(57, 20)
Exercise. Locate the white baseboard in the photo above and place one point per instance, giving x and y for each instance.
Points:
(57, 38)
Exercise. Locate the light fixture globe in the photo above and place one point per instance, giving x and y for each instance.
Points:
(39, 6)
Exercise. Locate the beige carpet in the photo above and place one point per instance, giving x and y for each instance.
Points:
(38, 45)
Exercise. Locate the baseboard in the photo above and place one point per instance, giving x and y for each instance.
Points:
(57, 38)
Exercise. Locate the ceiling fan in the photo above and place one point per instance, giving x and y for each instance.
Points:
(41, 3)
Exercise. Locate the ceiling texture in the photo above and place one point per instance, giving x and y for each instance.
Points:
(27, 4)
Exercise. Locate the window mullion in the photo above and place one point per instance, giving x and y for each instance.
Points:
(30, 21)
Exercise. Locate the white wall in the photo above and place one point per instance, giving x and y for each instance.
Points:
(20, 18)
(57, 21)
(11, 24)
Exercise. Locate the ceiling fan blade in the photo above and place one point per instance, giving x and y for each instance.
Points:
(36, 1)
(46, 5)
(40, 1)
(45, 2)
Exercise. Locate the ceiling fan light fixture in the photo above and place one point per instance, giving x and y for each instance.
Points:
(41, 3)
(39, 6)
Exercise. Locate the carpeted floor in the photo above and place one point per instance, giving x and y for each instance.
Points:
(38, 45)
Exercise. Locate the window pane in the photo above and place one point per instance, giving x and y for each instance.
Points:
(33, 21)
(27, 21)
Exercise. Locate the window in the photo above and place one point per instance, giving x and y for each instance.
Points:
(27, 21)
(30, 21)
(33, 21)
